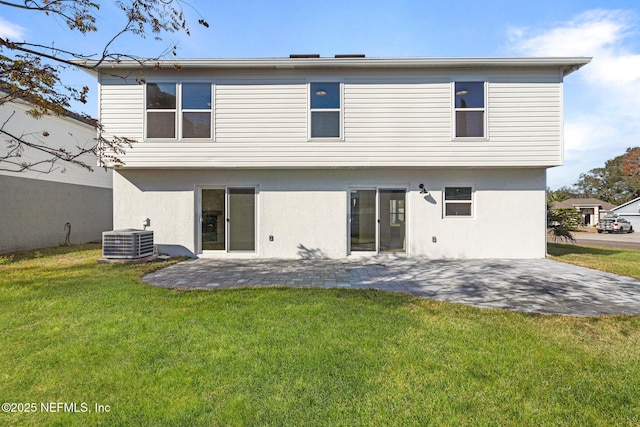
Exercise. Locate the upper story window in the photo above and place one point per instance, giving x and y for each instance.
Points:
(458, 201)
(196, 110)
(325, 104)
(161, 110)
(181, 111)
(469, 109)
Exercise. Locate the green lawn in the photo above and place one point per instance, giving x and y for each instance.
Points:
(75, 331)
(625, 262)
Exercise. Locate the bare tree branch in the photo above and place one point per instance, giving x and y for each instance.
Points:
(30, 72)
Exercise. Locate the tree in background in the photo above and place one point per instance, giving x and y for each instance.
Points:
(562, 193)
(617, 182)
(631, 162)
(32, 72)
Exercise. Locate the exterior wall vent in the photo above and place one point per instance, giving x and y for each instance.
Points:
(350, 55)
(127, 244)
(304, 55)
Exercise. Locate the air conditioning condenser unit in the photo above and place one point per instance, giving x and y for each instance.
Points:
(127, 244)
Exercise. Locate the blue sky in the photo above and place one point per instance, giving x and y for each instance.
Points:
(602, 100)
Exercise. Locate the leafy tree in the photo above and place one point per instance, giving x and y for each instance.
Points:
(32, 72)
(631, 162)
(562, 193)
(617, 182)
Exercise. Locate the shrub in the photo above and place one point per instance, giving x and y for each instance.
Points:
(561, 234)
(566, 218)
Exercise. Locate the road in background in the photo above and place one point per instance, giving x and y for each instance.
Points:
(623, 241)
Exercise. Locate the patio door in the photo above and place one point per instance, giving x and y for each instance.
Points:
(227, 219)
(377, 220)
(391, 218)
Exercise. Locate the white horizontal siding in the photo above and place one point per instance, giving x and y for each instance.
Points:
(122, 108)
(527, 116)
(342, 154)
(61, 133)
(392, 121)
(397, 112)
(269, 111)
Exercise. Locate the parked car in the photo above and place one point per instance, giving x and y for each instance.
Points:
(614, 225)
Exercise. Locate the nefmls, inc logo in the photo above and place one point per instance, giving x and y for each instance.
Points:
(64, 407)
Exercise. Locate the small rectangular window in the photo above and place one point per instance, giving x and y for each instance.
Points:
(469, 109)
(457, 201)
(325, 104)
(196, 110)
(161, 124)
(196, 96)
(161, 110)
(161, 96)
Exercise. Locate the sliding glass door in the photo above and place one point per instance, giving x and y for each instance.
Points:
(228, 219)
(377, 220)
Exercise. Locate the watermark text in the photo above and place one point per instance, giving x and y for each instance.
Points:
(53, 407)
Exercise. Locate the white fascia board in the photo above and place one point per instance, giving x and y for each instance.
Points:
(566, 64)
(626, 204)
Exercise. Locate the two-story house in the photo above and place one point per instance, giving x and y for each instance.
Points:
(336, 157)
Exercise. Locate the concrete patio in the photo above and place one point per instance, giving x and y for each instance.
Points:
(530, 286)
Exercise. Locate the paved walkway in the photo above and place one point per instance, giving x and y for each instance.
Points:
(532, 286)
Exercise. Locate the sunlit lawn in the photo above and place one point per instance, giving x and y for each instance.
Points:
(625, 262)
(75, 331)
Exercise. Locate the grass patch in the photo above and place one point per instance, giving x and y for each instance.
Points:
(76, 331)
(625, 262)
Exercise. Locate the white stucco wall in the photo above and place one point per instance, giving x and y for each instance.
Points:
(306, 210)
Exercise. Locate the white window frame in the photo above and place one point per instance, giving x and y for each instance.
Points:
(161, 110)
(485, 111)
(339, 110)
(226, 252)
(178, 112)
(378, 189)
(445, 202)
(191, 110)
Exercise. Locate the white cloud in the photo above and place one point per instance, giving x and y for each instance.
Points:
(10, 30)
(586, 134)
(602, 100)
(584, 35)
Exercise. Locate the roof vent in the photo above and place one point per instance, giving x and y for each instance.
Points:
(304, 55)
(350, 55)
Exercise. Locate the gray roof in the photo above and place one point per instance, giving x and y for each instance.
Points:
(582, 202)
(566, 64)
(28, 99)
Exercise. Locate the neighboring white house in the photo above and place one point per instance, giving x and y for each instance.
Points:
(629, 211)
(336, 157)
(35, 207)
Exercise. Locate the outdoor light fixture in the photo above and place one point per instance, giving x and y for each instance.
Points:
(422, 189)
(321, 92)
(462, 92)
